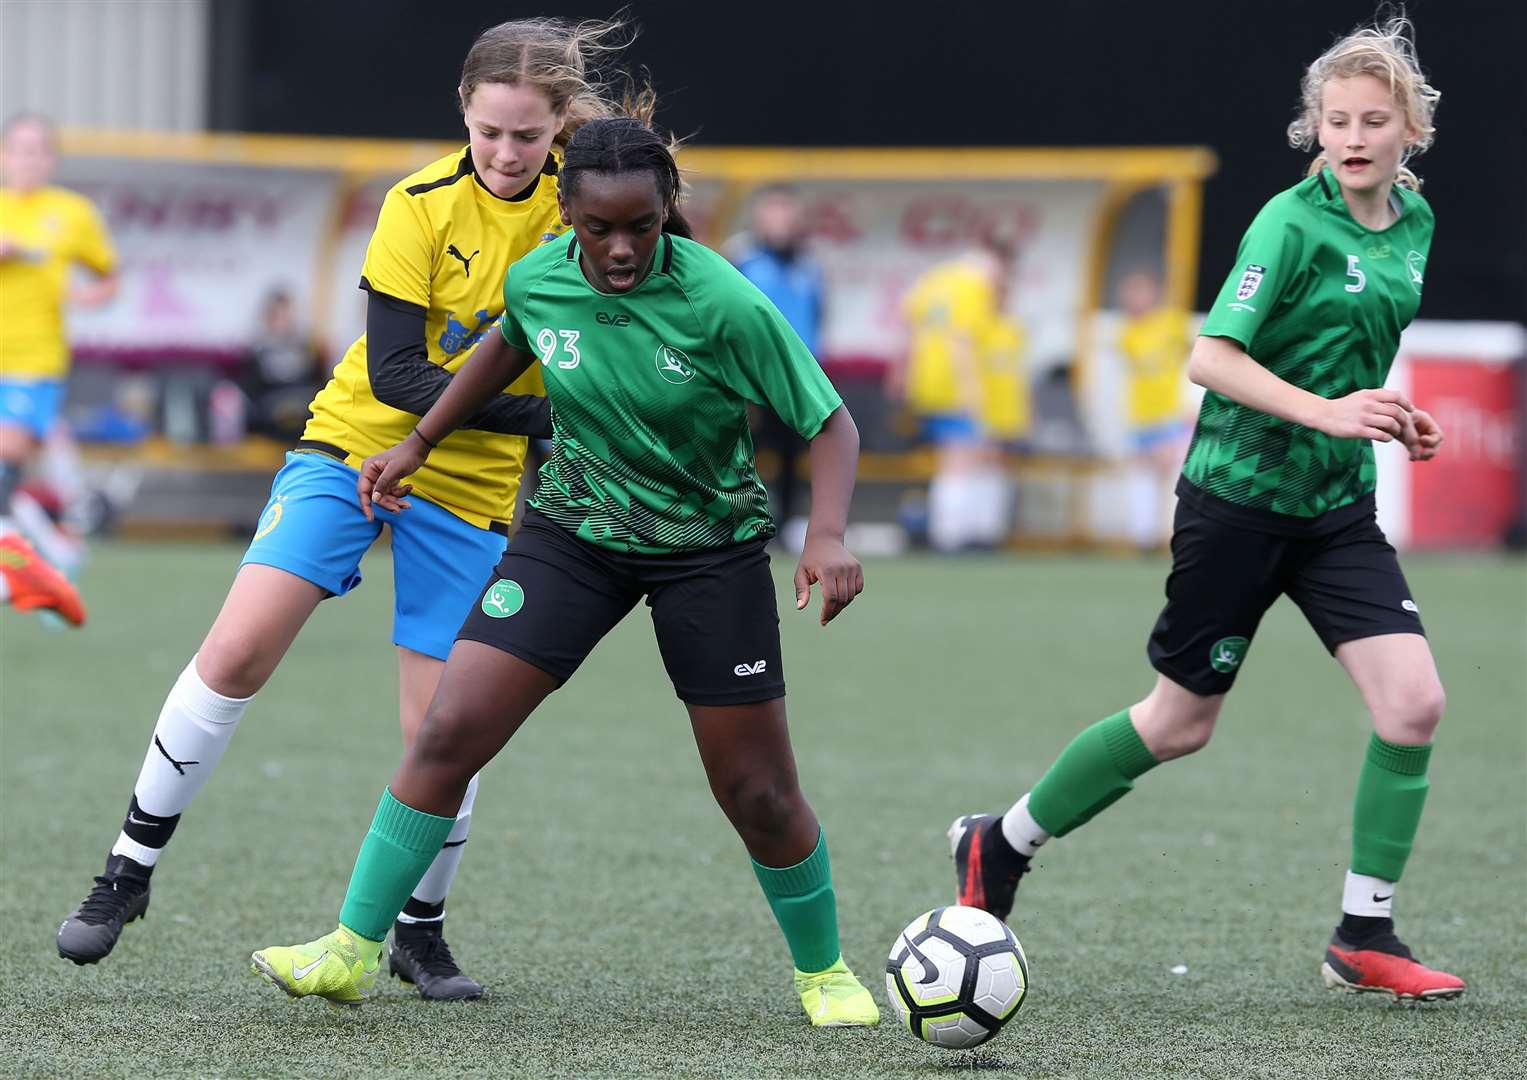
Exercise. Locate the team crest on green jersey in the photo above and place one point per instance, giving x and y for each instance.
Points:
(503, 599)
(1251, 281)
(1415, 264)
(673, 365)
(1227, 653)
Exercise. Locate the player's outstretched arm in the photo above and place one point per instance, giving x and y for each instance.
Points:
(834, 460)
(493, 365)
(1221, 365)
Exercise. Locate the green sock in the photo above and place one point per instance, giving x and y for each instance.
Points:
(805, 907)
(1391, 790)
(1097, 768)
(398, 848)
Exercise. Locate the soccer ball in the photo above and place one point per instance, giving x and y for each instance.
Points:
(955, 976)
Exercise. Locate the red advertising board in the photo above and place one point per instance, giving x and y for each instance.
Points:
(1468, 494)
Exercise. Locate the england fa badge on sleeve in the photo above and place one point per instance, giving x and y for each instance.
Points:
(1251, 280)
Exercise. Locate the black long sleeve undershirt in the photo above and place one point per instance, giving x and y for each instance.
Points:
(403, 377)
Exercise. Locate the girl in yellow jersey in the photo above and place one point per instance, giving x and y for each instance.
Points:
(434, 272)
(1154, 345)
(45, 233)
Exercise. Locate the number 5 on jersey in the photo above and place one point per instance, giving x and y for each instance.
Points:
(546, 342)
(1352, 272)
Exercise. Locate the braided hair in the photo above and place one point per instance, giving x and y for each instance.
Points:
(623, 144)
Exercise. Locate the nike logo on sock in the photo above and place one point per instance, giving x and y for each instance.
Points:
(178, 764)
(136, 820)
(299, 973)
(1377, 899)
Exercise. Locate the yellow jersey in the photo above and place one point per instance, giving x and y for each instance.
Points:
(1155, 350)
(444, 243)
(950, 307)
(49, 231)
(1005, 413)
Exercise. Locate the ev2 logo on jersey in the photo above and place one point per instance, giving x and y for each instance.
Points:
(547, 342)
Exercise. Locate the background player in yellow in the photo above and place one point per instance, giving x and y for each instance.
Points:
(46, 234)
(949, 382)
(434, 272)
(1153, 342)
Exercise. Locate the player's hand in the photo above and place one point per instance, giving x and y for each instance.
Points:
(1379, 415)
(382, 475)
(827, 561)
(1422, 435)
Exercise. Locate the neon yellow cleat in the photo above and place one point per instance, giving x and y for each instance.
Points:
(340, 967)
(835, 998)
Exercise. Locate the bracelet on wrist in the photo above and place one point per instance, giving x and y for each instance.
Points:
(426, 440)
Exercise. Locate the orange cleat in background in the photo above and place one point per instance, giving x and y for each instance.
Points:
(36, 585)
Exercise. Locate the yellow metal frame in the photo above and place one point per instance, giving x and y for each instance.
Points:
(742, 170)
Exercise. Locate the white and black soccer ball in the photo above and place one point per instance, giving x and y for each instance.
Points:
(955, 976)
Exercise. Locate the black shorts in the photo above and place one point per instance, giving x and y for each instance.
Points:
(553, 596)
(1224, 578)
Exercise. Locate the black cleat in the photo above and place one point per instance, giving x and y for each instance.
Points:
(120, 896)
(986, 867)
(422, 959)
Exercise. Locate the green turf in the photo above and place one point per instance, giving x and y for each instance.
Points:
(611, 911)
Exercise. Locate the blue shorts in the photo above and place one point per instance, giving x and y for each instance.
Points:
(1148, 438)
(313, 527)
(949, 429)
(34, 405)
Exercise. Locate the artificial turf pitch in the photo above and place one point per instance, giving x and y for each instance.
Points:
(610, 910)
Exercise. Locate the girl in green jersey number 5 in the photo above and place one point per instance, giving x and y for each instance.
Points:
(651, 348)
(1276, 497)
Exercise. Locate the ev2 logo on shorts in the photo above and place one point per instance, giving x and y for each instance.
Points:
(503, 599)
(1226, 654)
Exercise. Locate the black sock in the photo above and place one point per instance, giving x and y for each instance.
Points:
(150, 830)
(420, 917)
(1357, 928)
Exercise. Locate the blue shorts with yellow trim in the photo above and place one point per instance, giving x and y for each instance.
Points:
(313, 527)
(951, 429)
(32, 404)
(1143, 439)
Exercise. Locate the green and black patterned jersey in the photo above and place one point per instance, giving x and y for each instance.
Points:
(649, 392)
(1319, 300)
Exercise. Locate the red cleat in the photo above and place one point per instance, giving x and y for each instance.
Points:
(1381, 964)
(986, 868)
(34, 584)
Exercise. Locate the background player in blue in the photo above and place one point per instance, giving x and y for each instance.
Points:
(775, 257)
(1277, 496)
(651, 346)
(524, 90)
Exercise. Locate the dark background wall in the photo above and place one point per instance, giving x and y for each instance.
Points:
(1084, 72)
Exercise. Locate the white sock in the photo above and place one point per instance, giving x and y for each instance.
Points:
(194, 728)
(65, 552)
(945, 527)
(1144, 505)
(1021, 830)
(991, 505)
(436, 881)
(1364, 895)
(5, 589)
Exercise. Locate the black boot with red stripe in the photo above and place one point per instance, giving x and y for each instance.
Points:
(1371, 959)
(986, 867)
